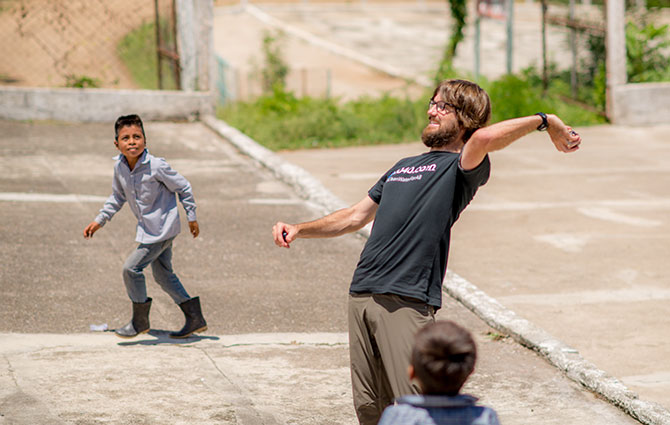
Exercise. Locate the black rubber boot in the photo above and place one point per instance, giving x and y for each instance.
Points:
(194, 320)
(139, 324)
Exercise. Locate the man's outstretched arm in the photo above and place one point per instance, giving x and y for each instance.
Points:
(502, 134)
(342, 221)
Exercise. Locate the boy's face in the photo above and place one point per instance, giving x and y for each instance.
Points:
(131, 142)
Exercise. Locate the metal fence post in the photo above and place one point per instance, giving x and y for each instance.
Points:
(510, 34)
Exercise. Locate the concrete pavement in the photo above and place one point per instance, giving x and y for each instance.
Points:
(275, 351)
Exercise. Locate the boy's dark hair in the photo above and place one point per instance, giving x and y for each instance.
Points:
(127, 120)
(443, 357)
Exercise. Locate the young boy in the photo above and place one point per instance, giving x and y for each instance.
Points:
(443, 357)
(149, 185)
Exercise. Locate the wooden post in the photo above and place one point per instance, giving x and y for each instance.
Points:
(159, 46)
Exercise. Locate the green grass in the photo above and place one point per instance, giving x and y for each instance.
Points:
(137, 50)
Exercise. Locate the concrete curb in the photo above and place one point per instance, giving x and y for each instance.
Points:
(565, 358)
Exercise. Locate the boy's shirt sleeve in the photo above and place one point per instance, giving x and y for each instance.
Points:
(113, 204)
(177, 183)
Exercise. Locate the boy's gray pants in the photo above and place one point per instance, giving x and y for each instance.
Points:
(381, 336)
(159, 255)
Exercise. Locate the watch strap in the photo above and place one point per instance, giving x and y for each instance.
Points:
(545, 123)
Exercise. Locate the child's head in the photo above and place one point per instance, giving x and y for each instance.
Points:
(126, 121)
(443, 357)
(129, 138)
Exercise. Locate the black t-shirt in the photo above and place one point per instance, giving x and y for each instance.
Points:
(419, 200)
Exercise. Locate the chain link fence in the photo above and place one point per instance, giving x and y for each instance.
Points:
(88, 43)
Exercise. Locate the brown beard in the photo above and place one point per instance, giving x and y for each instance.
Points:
(439, 138)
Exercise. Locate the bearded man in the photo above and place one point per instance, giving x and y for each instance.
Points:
(397, 285)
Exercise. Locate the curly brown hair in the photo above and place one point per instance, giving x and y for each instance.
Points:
(471, 102)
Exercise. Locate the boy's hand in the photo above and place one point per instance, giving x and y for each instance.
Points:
(91, 228)
(195, 229)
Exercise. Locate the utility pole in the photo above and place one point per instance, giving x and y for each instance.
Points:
(616, 52)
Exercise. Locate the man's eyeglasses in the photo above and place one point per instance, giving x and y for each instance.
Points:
(441, 106)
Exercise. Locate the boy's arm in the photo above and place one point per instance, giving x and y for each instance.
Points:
(177, 183)
(112, 205)
(498, 136)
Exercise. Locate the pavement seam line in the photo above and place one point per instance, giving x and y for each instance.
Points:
(10, 369)
(485, 307)
(248, 402)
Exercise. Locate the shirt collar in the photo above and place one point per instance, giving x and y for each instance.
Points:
(460, 400)
(144, 158)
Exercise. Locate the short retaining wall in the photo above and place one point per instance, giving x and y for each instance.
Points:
(641, 104)
(101, 105)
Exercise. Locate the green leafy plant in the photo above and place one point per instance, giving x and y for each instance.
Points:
(275, 68)
(645, 47)
(81, 81)
(458, 9)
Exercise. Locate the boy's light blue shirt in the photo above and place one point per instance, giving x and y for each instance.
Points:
(150, 191)
(438, 410)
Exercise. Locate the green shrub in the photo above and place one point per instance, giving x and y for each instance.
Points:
(645, 47)
(282, 121)
(516, 96)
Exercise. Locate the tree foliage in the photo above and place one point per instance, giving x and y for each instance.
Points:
(458, 10)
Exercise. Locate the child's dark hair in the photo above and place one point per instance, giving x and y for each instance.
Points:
(443, 357)
(127, 120)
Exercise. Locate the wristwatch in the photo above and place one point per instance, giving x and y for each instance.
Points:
(545, 123)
